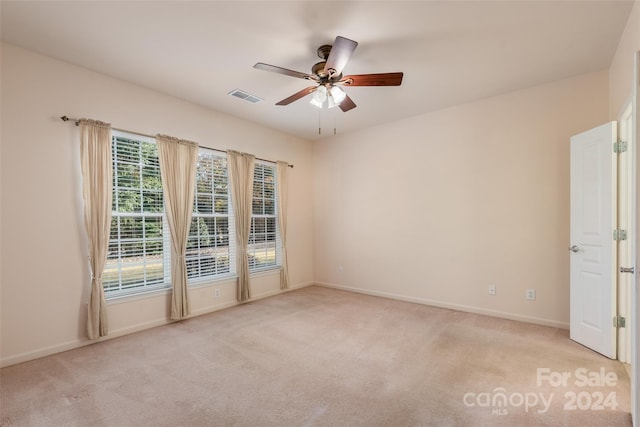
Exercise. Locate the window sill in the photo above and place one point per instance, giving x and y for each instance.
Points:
(201, 283)
(266, 271)
(117, 299)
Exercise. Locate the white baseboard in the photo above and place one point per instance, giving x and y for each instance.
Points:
(73, 344)
(451, 306)
(42, 352)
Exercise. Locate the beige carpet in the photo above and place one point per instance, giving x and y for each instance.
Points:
(322, 357)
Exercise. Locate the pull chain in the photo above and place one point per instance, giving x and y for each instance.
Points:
(334, 121)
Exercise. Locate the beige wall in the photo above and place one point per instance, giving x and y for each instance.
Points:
(44, 272)
(621, 70)
(438, 207)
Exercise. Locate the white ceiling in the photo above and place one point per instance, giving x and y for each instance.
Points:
(450, 51)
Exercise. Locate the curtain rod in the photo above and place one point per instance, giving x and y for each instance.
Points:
(77, 122)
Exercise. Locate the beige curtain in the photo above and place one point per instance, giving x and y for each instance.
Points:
(240, 167)
(97, 187)
(178, 160)
(282, 188)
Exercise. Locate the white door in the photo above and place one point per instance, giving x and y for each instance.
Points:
(592, 250)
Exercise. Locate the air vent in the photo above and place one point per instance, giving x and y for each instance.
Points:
(244, 95)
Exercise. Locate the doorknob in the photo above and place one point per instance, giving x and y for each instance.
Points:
(627, 270)
(574, 249)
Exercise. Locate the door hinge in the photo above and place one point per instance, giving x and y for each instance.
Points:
(619, 321)
(620, 146)
(619, 234)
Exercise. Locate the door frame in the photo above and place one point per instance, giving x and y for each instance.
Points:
(626, 220)
(635, 293)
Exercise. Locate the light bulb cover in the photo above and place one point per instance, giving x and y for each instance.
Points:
(315, 102)
(319, 97)
(337, 94)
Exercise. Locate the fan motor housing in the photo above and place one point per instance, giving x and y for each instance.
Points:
(323, 51)
(318, 70)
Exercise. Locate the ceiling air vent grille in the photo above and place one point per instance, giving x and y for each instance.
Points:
(244, 95)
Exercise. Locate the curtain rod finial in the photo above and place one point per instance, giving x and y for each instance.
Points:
(67, 118)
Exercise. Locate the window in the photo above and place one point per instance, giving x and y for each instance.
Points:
(208, 250)
(264, 245)
(139, 241)
(139, 257)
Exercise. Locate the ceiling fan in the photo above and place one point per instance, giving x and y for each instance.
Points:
(327, 74)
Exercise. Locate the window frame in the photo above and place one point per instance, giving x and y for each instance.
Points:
(231, 251)
(116, 289)
(261, 200)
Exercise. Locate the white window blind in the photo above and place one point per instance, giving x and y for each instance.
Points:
(138, 258)
(264, 244)
(211, 243)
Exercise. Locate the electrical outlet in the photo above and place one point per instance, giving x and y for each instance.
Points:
(340, 269)
(216, 292)
(492, 290)
(530, 294)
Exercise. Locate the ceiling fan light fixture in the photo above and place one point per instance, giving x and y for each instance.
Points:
(319, 97)
(331, 103)
(336, 96)
(315, 102)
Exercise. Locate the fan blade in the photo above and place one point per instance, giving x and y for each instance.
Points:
(285, 71)
(304, 92)
(341, 51)
(382, 79)
(347, 104)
